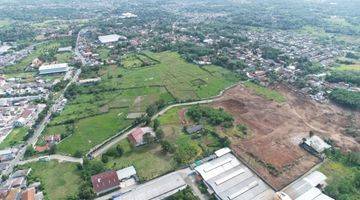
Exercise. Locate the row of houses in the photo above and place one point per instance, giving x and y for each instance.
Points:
(17, 188)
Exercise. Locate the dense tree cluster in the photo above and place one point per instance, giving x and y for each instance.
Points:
(346, 98)
(344, 76)
(213, 116)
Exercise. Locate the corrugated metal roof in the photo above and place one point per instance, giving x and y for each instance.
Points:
(155, 188)
(126, 172)
(232, 180)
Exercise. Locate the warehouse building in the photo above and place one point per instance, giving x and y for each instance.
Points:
(159, 188)
(53, 68)
(307, 188)
(109, 38)
(229, 179)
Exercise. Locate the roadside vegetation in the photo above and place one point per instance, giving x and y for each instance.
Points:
(343, 172)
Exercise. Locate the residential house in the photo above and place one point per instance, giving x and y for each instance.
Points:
(137, 136)
(105, 182)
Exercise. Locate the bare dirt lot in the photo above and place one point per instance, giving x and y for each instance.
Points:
(277, 129)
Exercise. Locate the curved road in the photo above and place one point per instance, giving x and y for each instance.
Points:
(106, 145)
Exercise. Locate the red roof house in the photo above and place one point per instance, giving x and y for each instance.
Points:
(28, 194)
(105, 182)
(53, 138)
(137, 136)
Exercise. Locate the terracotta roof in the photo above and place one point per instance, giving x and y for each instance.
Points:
(42, 148)
(28, 194)
(105, 181)
(137, 135)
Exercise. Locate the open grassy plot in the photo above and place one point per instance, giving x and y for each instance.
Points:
(137, 60)
(265, 92)
(149, 161)
(348, 68)
(4, 23)
(64, 57)
(99, 111)
(103, 52)
(91, 131)
(14, 138)
(59, 180)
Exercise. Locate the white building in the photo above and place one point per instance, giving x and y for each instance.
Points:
(54, 68)
(109, 38)
(317, 143)
(229, 179)
(305, 189)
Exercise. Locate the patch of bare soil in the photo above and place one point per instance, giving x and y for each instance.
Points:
(273, 149)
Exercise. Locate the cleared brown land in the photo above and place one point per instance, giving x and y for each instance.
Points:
(277, 129)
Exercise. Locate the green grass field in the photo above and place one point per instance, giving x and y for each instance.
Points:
(4, 23)
(103, 52)
(14, 138)
(95, 111)
(64, 57)
(348, 68)
(59, 180)
(148, 161)
(265, 92)
(93, 130)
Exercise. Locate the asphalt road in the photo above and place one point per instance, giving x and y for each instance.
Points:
(60, 158)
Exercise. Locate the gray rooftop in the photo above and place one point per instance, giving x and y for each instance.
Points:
(232, 180)
(155, 189)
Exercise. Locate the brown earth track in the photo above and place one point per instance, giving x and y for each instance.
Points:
(277, 129)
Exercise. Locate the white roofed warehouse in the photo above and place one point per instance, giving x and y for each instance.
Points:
(109, 38)
(53, 68)
(229, 179)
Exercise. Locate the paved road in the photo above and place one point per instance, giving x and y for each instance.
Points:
(60, 158)
(77, 52)
(37, 132)
(106, 145)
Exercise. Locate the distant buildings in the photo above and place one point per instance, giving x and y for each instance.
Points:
(6, 155)
(64, 49)
(53, 68)
(89, 81)
(137, 136)
(109, 38)
(128, 15)
(229, 179)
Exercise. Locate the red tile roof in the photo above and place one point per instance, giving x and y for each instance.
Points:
(136, 136)
(105, 181)
(42, 148)
(28, 194)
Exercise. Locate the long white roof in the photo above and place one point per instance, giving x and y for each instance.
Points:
(109, 38)
(53, 66)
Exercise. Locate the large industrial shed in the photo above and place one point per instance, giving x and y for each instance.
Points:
(306, 188)
(156, 189)
(229, 179)
(54, 68)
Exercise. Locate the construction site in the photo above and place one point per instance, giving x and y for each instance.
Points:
(276, 130)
